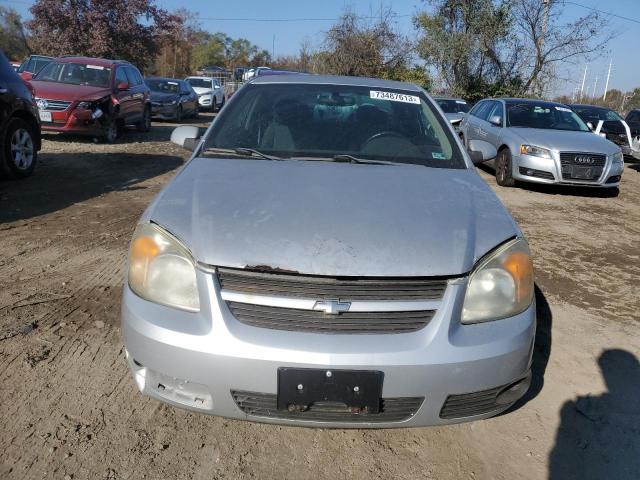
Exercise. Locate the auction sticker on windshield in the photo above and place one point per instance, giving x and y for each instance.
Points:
(394, 97)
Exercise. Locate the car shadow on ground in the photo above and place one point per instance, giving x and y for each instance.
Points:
(566, 190)
(62, 180)
(541, 350)
(598, 436)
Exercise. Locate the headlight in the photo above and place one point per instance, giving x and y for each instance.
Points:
(618, 158)
(535, 151)
(161, 269)
(501, 285)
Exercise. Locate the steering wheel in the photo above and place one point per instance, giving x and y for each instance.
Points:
(384, 134)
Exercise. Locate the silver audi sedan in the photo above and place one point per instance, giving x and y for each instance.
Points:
(329, 257)
(542, 142)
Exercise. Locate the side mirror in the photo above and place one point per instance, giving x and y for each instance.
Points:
(455, 122)
(481, 151)
(26, 76)
(495, 120)
(591, 127)
(216, 87)
(186, 136)
(122, 86)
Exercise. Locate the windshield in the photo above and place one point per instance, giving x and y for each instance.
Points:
(594, 114)
(33, 64)
(325, 121)
(75, 73)
(200, 82)
(163, 86)
(453, 106)
(543, 115)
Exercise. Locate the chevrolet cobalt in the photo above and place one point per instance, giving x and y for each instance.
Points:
(330, 257)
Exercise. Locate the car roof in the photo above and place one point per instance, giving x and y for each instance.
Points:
(335, 80)
(103, 62)
(200, 77)
(166, 79)
(444, 97)
(526, 100)
(588, 106)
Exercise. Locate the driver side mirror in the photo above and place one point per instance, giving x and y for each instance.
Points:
(495, 120)
(186, 136)
(481, 151)
(122, 86)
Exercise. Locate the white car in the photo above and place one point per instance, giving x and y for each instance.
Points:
(210, 92)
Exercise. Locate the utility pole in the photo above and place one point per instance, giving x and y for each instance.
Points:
(606, 85)
(584, 78)
(273, 48)
(595, 85)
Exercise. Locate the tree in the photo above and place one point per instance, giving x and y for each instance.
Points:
(211, 50)
(125, 29)
(515, 47)
(12, 35)
(360, 48)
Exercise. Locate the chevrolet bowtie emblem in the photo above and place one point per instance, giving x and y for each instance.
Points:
(332, 307)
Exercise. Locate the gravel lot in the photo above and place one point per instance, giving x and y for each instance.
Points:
(71, 410)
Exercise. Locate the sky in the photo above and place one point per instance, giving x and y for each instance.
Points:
(238, 18)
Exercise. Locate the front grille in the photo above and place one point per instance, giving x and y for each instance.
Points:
(530, 172)
(292, 319)
(265, 405)
(256, 282)
(568, 163)
(55, 105)
(470, 404)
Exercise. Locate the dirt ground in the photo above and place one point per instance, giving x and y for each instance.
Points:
(69, 408)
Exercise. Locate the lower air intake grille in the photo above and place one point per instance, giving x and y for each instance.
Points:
(291, 319)
(265, 405)
(470, 404)
(530, 172)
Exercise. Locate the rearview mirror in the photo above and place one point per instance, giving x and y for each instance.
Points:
(495, 120)
(186, 136)
(481, 151)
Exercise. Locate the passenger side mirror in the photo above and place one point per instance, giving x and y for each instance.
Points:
(216, 87)
(122, 86)
(455, 121)
(186, 136)
(481, 151)
(495, 120)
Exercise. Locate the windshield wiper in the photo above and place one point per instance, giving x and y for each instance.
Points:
(343, 157)
(251, 151)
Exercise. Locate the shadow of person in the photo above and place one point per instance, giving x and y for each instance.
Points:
(599, 436)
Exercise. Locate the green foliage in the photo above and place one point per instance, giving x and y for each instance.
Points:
(415, 74)
(12, 35)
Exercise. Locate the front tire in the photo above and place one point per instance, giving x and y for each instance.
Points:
(179, 114)
(112, 131)
(504, 169)
(19, 156)
(145, 124)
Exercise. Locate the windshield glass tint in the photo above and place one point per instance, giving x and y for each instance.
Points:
(289, 120)
(543, 115)
(200, 82)
(163, 86)
(592, 114)
(453, 106)
(75, 73)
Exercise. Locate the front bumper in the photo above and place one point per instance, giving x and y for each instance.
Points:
(528, 168)
(165, 112)
(196, 360)
(78, 122)
(205, 101)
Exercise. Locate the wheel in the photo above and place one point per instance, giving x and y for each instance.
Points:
(196, 111)
(504, 172)
(111, 131)
(145, 124)
(179, 114)
(18, 157)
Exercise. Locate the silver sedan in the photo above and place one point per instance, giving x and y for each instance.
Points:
(541, 142)
(330, 257)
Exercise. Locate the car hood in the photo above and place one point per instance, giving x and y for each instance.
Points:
(68, 91)
(332, 218)
(201, 90)
(564, 140)
(163, 97)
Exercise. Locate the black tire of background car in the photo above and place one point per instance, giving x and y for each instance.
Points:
(504, 171)
(179, 114)
(144, 125)
(8, 168)
(196, 111)
(111, 130)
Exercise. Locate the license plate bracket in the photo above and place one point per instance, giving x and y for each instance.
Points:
(583, 173)
(359, 390)
(45, 116)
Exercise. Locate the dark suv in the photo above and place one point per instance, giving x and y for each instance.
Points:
(19, 125)
(92, 96)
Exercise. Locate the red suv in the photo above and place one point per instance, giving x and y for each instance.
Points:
(92, 96)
